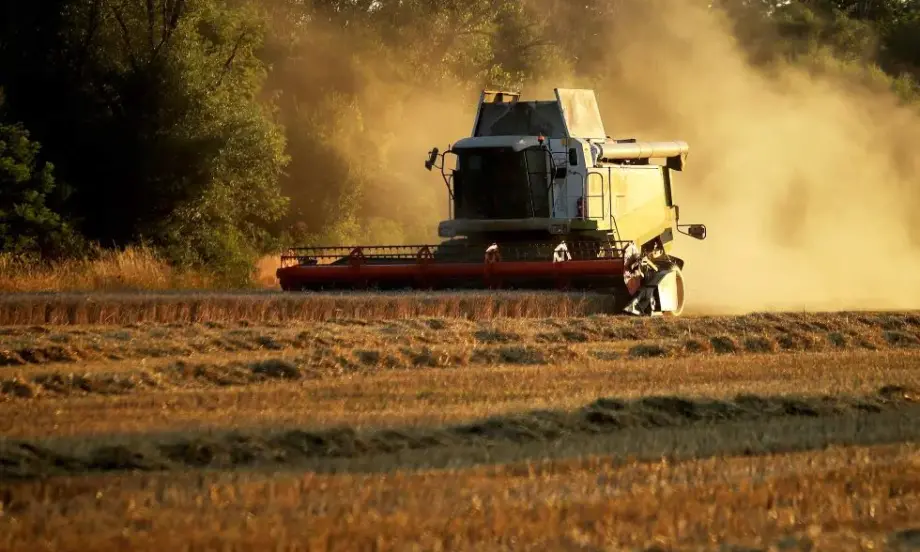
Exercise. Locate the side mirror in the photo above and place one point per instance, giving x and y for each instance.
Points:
(432, 158)
(697, 231)
(573, 156)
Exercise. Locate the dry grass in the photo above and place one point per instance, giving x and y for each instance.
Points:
(30, 459)
(65, 380)
(836, 499)
(429, 397)
(349, 344)
(135, 285)
(133, 268)
(584, 409)
(276, 307)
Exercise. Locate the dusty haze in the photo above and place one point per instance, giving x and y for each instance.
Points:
(807, 184)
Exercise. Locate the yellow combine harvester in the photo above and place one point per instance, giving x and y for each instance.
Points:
(540, 197)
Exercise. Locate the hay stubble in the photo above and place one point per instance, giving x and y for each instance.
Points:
(789, 431)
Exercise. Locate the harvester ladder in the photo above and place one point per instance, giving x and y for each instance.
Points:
(614, 228)
(614, 233)
(588, 197)
(614, 205)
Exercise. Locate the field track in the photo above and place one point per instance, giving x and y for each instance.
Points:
(269, 421)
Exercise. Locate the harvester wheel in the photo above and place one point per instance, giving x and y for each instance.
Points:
(661, 293)
(678, 292)
(677, 289)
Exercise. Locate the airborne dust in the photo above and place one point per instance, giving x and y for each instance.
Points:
(807, 184)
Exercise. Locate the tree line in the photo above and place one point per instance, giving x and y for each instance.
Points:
(212, 130)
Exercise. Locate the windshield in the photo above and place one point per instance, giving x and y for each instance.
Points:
(499, 183)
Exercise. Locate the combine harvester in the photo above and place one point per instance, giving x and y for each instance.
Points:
(540, 198)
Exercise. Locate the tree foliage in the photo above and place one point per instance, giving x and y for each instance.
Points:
(27, 222)
(150, 111)
(216, 129)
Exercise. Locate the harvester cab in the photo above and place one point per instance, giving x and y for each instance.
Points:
(541, 168)
(539, 196)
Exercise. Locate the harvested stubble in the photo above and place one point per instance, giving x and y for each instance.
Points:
(350, 344)
(840, 498)
(276, 307)
(28, 459)
(320, 364)
(260, 400)
(222, 394)
(97, 361)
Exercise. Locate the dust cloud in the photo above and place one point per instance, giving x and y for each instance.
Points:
(360, 124)
(368, 122)
(807, 185)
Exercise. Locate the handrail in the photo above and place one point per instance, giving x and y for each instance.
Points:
(587, 197)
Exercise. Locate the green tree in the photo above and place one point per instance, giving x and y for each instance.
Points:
(152, 112)
(873, 41)
(27, 224)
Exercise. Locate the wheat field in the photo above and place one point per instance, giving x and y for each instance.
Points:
(450, 428)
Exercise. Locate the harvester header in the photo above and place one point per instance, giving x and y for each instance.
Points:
(539, 197)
